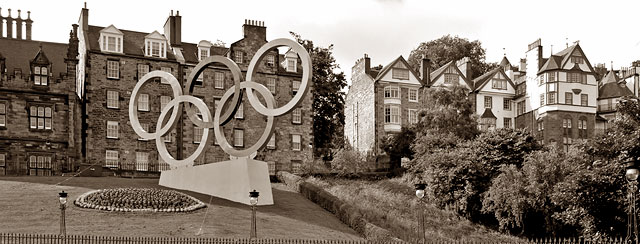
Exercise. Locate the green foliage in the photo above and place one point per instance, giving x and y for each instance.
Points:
(448, 48)
(349, 162)
(398, 146)
(328, 98)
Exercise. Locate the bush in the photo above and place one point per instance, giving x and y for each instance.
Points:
(348, 162)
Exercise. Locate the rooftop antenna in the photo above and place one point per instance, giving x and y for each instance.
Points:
(551, 49)
(567, 41)
(504, 51)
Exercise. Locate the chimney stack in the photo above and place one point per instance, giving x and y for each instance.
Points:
(464, 64)
(426, 70)
(367, 64)
(254, 29)
(28, 24)
(173, 29)
(9, 25)
(19, 26)
(1, 23)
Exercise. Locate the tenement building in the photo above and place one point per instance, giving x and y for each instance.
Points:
(112, 61)
(40, 123)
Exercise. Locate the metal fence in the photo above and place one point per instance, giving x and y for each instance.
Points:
(11, 238)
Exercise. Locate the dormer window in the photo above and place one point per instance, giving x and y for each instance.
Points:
(291, 65)
(237, 57)
(204, 48)
(155, 45)
(111, 39)
(40, 75)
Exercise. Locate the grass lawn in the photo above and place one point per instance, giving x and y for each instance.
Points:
(393, 205)
(30, 205)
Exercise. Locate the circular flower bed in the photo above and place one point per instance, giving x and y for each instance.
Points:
(138, 200)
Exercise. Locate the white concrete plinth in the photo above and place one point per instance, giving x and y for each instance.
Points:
(231, 180)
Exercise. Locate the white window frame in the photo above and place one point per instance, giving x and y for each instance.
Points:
(41, 75)
(218, 79)
(143, 102)
(505, 124)
(450, 78)
(270, 60)
(105, 42)
(142, 161)
(240, 113)
(111, 159)
(391, 92)
(113, 129)
(400, 74)
(203, 53)
(413, 116)
(296, 116)
(143, 69)
(392, 114)
(238, 57)
(113, 69)
(271, 84)
(150, 48)
(164, 100)
(40, 117)
(238, 137)
(506, 104)
(145, 127)
(112, 99)
(488, 102)
(292, 65)
(197, 134)
(295, 86)
(415, 95)
(296, 142)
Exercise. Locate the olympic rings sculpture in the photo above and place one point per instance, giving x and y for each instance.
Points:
(220, 118)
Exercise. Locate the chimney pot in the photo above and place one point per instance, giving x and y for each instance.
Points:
(28, 14)
(85, 4)
(177, 12)
(18, 13)
(9, 13)
(171, 12)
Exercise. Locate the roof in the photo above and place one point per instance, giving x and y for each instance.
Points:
(484, 79)
(133, 41)
(438, 72)
(611, 77)
(558, 60)
(19, 53)
(388, 67)
(488, 114)
(505, 62)
(613, 90)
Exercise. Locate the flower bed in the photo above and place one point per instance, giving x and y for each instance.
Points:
(138, 200)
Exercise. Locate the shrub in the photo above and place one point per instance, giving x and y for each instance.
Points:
(348, 162)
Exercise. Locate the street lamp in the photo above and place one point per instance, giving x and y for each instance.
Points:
(631, 173)
(253, 199)
(420, 187)
(63, 206)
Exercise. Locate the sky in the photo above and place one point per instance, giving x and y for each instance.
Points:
(608, 31)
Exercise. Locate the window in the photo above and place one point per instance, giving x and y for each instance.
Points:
(3, 114)
(240, 112)
(506, 104)
(271, 60)
(200, 79)
(488, 102)
(203, 53)
(584, 99)
(164, 100)
(40, 165)
(553, 76)
(272, 167)
(521, 107)
(296, 144)
(145, 127)
(413, 95)
(142, 161)
(566, 123)
(551, 96)
(112, 99)
(111, 159)
(238, 137)
(566, 142)
(413, 116)
(540, 80)
(540, 125)
(402, 74)
(296, 117)
(507, 123)
(40, 75)
(295, 86)
(271, 84)
(292, 65)
(112, 129)
(40, 117)
(451, 78)
(391, 92)
(111, 43)
(168, 70)
(499, 84)
(577, 60)
(219, 80)
(3, 163)
(272, 142)
(143, 69)
(568, 98)
(155, 49)
(521, 89)
(168, 137)
(541, 99)
(143, 102)
(391, 114)
(238, 56)
(197, 134)
(577, 78)
(113, 69)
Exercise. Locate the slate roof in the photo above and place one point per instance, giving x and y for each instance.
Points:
(485, 78)
(190, 52)
(556, 61)
(388, 67)
(612, 88)
(488, 114)
(505, 62)
(19, 53)
(133, 41)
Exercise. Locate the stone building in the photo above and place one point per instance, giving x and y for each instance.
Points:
(494, 92)
(40, 123)
(112, 61)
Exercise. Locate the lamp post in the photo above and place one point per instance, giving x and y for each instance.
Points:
(420, 187)
(253, 199)
(63, 205)
(631, 174)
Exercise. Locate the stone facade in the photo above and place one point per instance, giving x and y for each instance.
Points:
(40, 123)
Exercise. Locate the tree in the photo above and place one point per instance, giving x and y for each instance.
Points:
(448, 48)
(398, 146)
(328, 98)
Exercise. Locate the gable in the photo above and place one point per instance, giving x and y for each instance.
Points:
(568, 62)
(496, 81)
(111, 29)
(155, 35)
(398, 71)
(440, 76)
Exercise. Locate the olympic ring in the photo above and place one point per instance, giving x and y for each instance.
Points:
(220, 119)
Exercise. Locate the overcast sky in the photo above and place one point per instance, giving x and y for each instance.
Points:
(384, 29)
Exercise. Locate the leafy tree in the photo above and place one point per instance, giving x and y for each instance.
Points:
(398, 146)
(328, 98)
(447, 111)
(448, 48)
